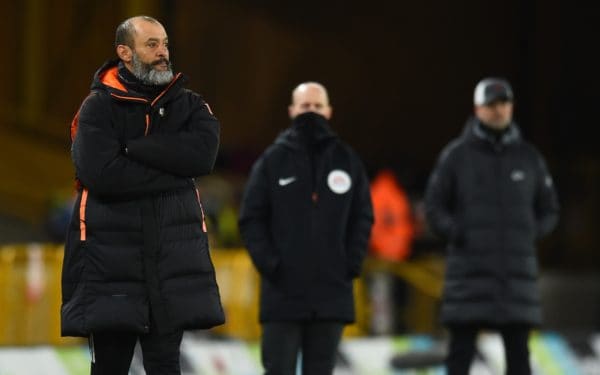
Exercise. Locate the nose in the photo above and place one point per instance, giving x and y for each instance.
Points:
(163, 50)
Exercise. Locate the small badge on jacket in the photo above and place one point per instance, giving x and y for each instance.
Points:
(339, 181)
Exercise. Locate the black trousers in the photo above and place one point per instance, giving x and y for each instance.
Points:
(317, 342)
(463, 338)
(112, 352)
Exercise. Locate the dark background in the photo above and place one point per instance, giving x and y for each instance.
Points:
(400, 77)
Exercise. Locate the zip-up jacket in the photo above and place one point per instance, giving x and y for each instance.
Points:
(305, 218)
(137, 246)
(491, 199)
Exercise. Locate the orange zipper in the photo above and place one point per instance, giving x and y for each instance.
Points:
(201, 210)
(82, 207)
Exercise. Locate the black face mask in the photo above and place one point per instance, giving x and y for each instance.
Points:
(309, 125)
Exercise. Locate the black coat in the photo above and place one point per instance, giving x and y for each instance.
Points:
(137, 246)
(306, 217)
(491, 201)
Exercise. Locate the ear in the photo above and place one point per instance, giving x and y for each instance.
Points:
(124, 52)
(329, 113)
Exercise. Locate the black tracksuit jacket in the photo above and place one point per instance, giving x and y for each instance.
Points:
(137, 247)
(305, 218)
(491, 199)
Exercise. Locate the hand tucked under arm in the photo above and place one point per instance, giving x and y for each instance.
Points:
(188, 151)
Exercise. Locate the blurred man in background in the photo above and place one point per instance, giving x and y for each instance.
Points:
(391, 241)
(137, 265)
(305, 218)
(394, 229)
(491, 196)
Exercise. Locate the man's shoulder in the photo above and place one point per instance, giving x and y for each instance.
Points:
(452, 149)
(529, 151)
(274, 150)
(194, 98)
(526, 145)
(345, 146)
(94, 99)
(190, 92)
(187, 95)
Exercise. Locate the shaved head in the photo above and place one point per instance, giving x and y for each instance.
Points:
(126, 30)
(310, 97)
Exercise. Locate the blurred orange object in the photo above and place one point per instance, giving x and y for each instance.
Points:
(393, 231)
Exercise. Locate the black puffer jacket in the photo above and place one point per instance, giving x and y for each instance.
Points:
(492, 201)
(137, 246)
(306, 218)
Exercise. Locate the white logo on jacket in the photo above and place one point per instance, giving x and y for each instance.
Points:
(517, 175)
(339, 181)
(286, 181)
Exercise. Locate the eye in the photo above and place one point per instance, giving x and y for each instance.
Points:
(152, 44)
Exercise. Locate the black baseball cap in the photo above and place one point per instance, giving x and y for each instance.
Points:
(490, 90)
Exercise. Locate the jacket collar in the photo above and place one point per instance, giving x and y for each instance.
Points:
(473, 131)
(107, 78)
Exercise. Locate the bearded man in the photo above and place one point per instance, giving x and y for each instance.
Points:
(137, 264)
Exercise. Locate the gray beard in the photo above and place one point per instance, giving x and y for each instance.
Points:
(148, 75)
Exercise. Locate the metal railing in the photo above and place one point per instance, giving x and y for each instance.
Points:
(30, 294)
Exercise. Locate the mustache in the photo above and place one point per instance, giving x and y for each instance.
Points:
(161, 61)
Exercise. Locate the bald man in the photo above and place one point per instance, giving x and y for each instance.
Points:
(305, 218)
(137, 264)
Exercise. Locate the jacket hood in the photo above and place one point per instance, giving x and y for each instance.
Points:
(472, 131)
(307, 128)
